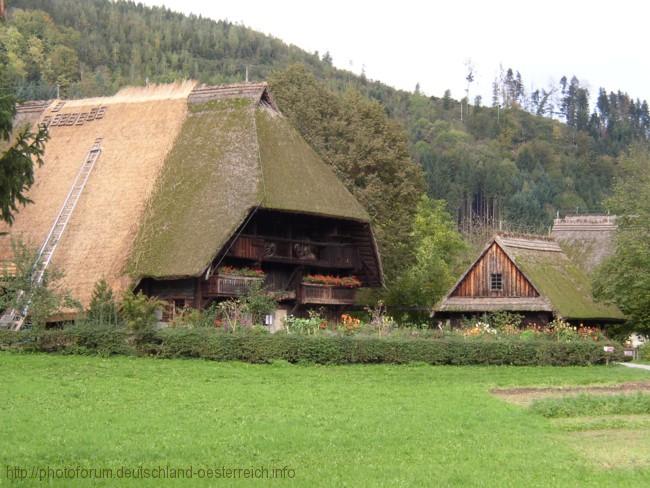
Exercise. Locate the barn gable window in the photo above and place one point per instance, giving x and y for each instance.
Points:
(496, 282)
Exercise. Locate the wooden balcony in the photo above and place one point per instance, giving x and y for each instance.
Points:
(276, 249)
(326, 294)
(230, 285)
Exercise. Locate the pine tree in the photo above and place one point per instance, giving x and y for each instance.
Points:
(16, 163)
(103, 307)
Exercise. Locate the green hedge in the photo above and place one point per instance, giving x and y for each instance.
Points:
(71, 340)
(264, 348)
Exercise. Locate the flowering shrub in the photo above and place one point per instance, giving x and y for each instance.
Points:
(592, 333)
(350, 324)
(506, 324)
(245, 271)
(479, 329)
(562, 330)
(345, 281)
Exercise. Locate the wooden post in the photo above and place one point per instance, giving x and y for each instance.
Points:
(2, 9)
(198, 293)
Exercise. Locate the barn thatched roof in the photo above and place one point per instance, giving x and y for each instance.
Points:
(587, 239)
(181, 168)
(563, 287)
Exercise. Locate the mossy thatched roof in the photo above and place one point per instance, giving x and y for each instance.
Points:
(295, 178)
(561, 281)
(233, 154)
(563, 286)
(207, 187)
(181, 168)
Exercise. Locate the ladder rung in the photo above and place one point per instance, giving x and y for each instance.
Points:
(59, 225)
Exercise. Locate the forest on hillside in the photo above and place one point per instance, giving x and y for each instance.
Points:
(518, 161)
(416, 162)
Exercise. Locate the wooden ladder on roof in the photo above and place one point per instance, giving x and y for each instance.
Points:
(12, 318)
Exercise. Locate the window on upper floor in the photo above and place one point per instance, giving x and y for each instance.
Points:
(496, 282)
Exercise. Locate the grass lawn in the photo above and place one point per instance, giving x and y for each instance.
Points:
(334, 425)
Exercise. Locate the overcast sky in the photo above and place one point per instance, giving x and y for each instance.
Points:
(405, 42)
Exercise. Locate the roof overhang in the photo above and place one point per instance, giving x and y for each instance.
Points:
(490, 304)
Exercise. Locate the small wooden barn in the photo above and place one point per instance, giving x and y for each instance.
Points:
(192, 193)
(528, 275)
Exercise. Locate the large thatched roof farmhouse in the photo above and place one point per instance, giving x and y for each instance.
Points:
(529, 275)
(190, 193)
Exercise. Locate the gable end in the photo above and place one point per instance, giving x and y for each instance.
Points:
(493, 268)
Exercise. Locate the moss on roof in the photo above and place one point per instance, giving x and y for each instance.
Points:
(212, 179)
(208, 186)
(565, 285)
(295, 177)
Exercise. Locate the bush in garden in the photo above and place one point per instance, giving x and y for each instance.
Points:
(139, 311)
(257, 346)
(190, 318)
(504, 321)
(259, 302)
(479, 329)
(20, 291)
(644, 352)
(103, 309)
(233, 314)
(246, 310)
(562, 330)
(380, 321)
(305, 326)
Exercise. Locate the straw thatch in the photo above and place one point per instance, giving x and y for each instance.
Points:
(137, 135)
(181, 168)
(587, 239)
(561, 285)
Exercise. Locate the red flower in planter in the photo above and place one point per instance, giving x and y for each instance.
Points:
(344, 282)
(244, 272)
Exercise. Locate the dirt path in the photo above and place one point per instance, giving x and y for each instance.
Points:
(638, 366)
(525, 396)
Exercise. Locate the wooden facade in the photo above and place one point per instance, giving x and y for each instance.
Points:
(479, 280)
(278, 249)
(527, 275)
(227, 285)
(286, 248)
(326, 295)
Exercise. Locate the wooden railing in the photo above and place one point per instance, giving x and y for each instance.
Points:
(315, 293)
(230, 285)
(295, 251)
(326, 294)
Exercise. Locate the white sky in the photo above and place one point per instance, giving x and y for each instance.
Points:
(604, 43)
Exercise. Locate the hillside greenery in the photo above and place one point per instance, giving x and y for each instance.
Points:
(519, 160)
(512, 162)
(625, 277)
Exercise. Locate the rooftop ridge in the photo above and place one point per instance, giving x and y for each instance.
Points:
(258, 92)
(591, 219)
(520, 235)
(530, 242)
